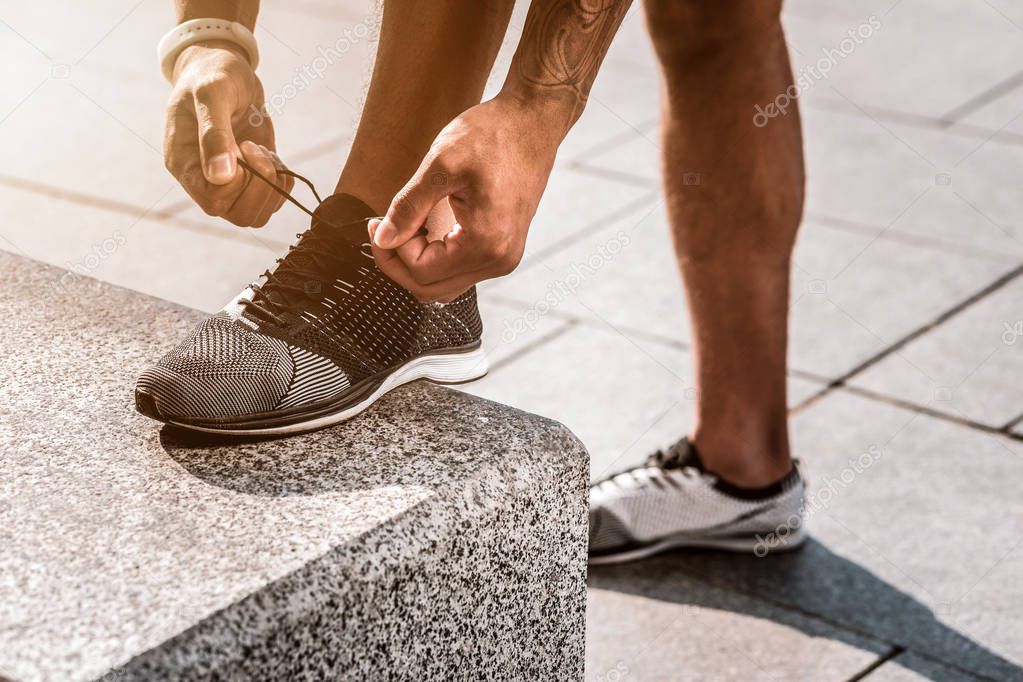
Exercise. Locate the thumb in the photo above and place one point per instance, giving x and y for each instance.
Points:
(411, 207)
(218, 149)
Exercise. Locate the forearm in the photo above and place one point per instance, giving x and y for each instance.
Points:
(242, 11)
(562, 47)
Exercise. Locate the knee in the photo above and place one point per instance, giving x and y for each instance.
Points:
(687, 32)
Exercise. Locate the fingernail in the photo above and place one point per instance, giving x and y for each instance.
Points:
(384, 235)
(220, 167)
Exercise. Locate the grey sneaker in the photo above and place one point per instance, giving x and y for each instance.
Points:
(324, 336)
(670, 501)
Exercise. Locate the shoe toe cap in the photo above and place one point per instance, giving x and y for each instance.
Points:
(220, 371)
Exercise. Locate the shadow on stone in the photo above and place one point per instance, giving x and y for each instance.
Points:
(419, 435)
(820, 583)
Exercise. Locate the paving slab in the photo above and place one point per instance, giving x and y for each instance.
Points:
(117, 93)
(509, 331)
(648, 622)
(915, 527)
(937, 187)
(1003, 113)
(979, 48)
(967, 367)
(624, 396)
(199, 265)
(867, 292)
(398, 543)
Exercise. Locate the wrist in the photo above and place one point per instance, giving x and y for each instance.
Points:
(553, 113)
(204, 50)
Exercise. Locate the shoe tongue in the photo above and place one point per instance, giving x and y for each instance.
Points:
(343, 216)
(681, 455)
(340, 220)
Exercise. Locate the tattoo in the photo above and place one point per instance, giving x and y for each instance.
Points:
(564, 42)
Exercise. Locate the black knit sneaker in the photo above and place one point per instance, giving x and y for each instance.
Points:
(324, 336)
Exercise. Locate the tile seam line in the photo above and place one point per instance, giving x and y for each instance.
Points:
(647, 199)
(610, 143)
(910, 406)
(949, 313)
(896, 234)
(982, 99)
(960, 129)
(894, 651)
(623, 177)
(122, 208)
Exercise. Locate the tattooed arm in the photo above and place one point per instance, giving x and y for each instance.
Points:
(492, 162)
(561, 50)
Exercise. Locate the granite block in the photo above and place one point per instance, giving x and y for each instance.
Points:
(436, 536)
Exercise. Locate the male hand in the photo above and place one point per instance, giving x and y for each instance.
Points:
(214, 116)
(491, 164)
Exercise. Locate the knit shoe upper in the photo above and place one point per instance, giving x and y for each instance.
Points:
(671, 501)
(325, 321)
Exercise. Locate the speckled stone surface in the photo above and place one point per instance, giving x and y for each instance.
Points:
(438, 536)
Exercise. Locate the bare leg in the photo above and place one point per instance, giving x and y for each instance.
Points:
(735, 196)
(431, 65)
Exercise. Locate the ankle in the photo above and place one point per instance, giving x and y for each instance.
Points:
(747, 463)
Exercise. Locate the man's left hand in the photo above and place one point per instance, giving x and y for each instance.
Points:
(491, 163)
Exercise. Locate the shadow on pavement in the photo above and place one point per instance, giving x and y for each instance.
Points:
(816, 582)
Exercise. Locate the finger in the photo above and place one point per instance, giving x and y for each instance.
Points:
(443, 291)
(248, 207)
(433, 261)
(182, 159)
(181, 145)
(217, 146)
(275, 200)
(411, 206)
(442, 259)
(285, 182)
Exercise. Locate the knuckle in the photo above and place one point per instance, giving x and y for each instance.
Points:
(506, 265)
(403, 208)
(210, 86)
(494, 252)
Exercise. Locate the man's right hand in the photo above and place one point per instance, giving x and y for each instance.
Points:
(216, 115)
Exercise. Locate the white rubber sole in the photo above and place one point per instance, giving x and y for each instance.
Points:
(449, 368)
(758, 545)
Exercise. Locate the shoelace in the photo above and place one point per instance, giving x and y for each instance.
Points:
(321, 252)
(670, 458)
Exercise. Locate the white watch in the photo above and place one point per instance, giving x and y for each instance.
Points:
(196, 31)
